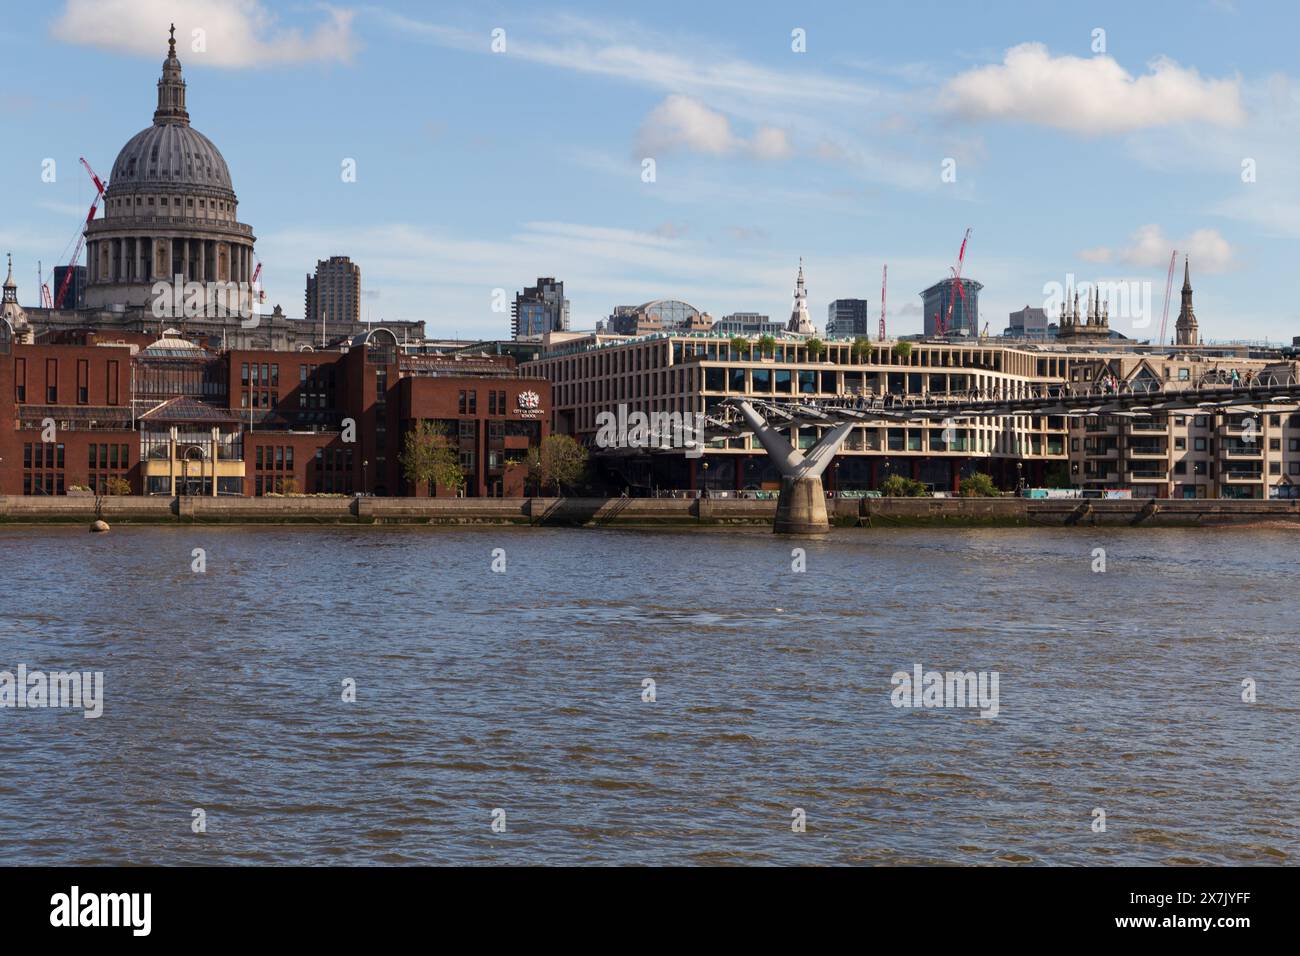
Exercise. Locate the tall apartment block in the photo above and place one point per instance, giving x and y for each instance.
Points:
(539, 309)
(335, 290)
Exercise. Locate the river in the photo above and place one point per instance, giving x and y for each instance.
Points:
(518, 697)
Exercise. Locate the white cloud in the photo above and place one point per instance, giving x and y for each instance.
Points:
(683, 123)
(1149, 248)
(772, 143)
(1090, 95)
(680, 122)
(236, 33)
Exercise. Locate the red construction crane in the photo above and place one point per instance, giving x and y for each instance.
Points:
(261, 293)
(81, 239)
(884, 278)
(960, 289)
(1169, 288)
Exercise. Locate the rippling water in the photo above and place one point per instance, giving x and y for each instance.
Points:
(522, 691)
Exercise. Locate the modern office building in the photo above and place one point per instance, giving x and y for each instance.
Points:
(539, 309)
(848, 318)
(694, 373)
(1030, 324)
(334, 292)
(748, 324)
(956, 313)
(74, 297)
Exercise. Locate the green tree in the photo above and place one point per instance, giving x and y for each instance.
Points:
(902, 349)
(816, 348)
(428, 457)
(739, 345)
(766, 344)
(862, 349)
(897, 486)
(978, 485)
(117, 486)
(558, 461)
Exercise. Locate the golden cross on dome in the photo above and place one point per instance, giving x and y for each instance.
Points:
(171, 43)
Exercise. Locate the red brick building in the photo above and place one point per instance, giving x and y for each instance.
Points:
(170, 417)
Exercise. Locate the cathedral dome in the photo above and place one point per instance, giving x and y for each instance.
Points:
(171, 154)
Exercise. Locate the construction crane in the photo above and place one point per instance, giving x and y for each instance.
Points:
(46, 301)
(81, 239)
(1169, 288)
(884, 277)
(261, 293)
(960, 289)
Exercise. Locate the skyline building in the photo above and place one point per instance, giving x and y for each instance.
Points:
(334, 292)
(938, 300)
(539, 309)
(747, 323)
(848, 318)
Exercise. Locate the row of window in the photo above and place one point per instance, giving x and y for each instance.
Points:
(268, 373)
(52, 382)
(258, 399)
(274, 457)
(43, 455)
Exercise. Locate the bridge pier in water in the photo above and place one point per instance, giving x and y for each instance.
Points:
(801, 508)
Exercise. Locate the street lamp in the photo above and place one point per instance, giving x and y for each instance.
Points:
(1020, 477)
(365, 474)
(705, 465)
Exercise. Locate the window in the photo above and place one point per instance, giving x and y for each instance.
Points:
(1199, 444)
(51, 381)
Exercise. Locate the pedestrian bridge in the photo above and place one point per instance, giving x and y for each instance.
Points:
(1075, 401)
(801, 508)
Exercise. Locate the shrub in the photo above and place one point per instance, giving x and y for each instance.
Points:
(978, 485)
(897, 486)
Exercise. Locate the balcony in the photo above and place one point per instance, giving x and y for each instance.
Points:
(1242, 474)
(1148, 474)
(1234, 449)
(1148, 449)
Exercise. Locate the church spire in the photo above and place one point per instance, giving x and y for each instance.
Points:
(171, 89)
(800, 321)
(1186, 332)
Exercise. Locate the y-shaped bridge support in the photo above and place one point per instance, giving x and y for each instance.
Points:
(801, 508)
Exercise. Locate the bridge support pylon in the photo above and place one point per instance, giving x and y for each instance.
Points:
(801, 508)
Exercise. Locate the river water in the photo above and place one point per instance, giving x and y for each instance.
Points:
(517, 697)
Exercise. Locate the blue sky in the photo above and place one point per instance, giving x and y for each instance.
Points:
(479, 170)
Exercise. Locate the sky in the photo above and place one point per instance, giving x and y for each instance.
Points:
(497, 142)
